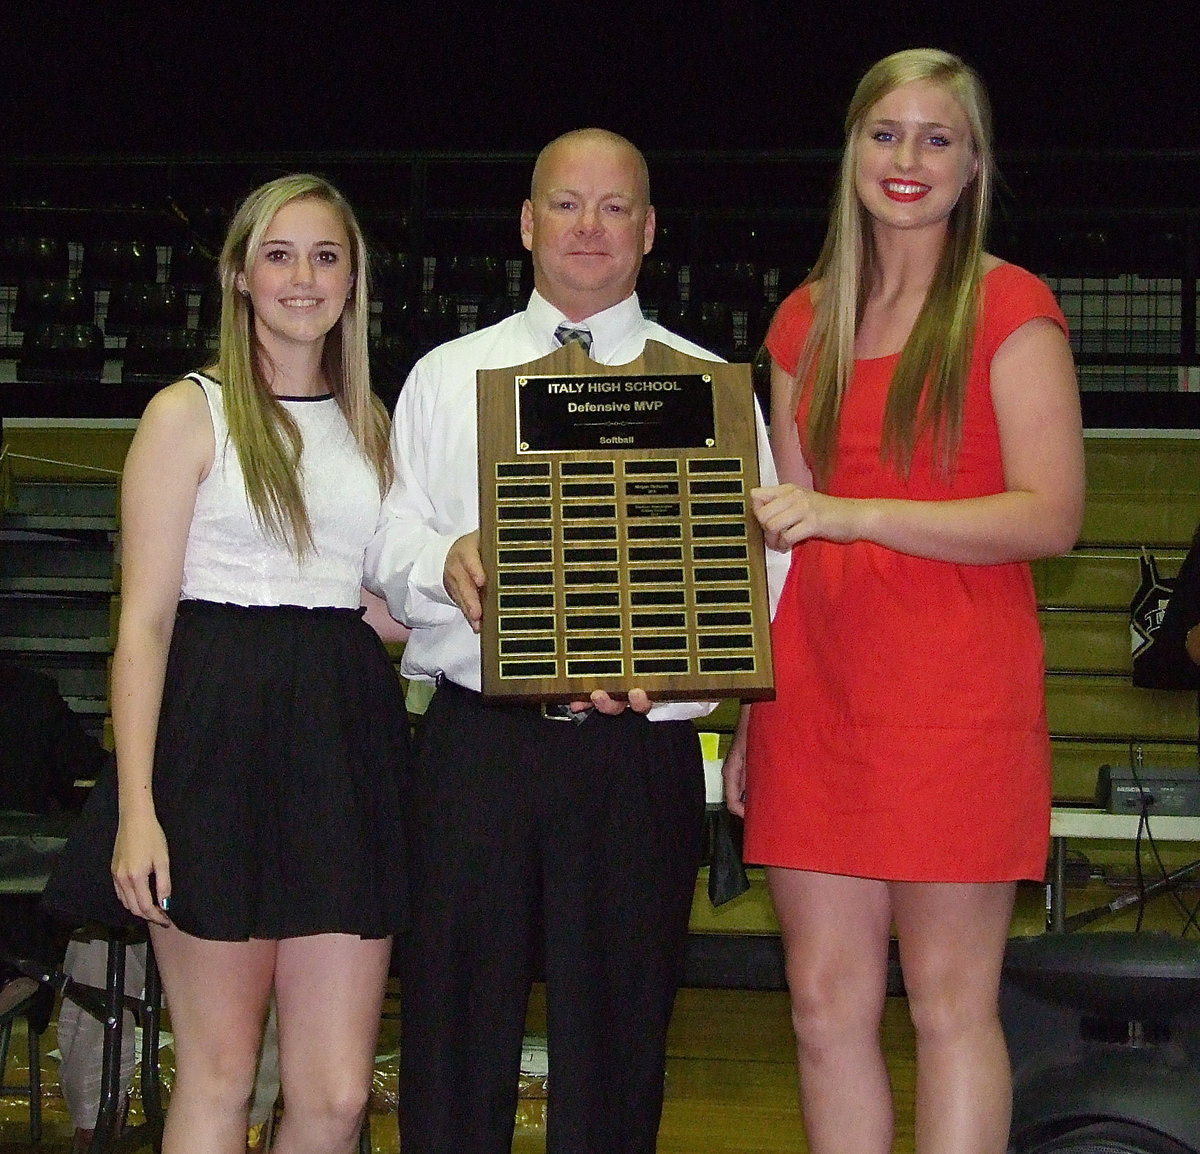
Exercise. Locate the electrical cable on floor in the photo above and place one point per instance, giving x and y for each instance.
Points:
(1147, 800)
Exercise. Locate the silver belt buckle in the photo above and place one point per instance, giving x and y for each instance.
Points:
(561, 711)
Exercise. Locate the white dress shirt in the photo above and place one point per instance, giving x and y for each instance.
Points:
(435, 497)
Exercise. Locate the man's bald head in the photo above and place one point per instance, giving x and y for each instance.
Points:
(588, 221)
(585, 136)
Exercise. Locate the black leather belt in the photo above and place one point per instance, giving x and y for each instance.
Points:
(551, 711)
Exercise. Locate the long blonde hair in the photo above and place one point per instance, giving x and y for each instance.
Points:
(936, 359)
(267, 440)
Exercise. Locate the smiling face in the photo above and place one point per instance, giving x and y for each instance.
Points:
(300, 276)
(915, 157)
(588, 223)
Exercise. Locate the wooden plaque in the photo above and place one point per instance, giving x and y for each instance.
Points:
(616, 531)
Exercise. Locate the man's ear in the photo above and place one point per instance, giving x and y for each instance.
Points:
(648, 230)
(527, 225)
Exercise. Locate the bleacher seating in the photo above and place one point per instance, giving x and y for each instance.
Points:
(139, 305)
(658, 283)
(52, 302)
(57, 588)
(208, 308)
(33, 257)
(55, 611)
(109, 262)
(734, 232)
(494, 309)
(470, 275)
(735, 235)
(159, 355)
(71, 351)
(192, 265)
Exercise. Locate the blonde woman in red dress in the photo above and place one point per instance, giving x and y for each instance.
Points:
(926, 429)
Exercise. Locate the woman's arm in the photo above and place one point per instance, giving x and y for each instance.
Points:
(1036, 400)
(733, 768)
(785, 437)
(379, 618)
(170, 455)
(792, 469)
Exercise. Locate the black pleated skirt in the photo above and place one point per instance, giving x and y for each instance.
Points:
(280, 775)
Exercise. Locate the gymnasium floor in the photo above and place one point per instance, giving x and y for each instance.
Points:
(731, 1082)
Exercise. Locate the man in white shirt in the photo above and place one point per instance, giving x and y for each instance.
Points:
(536, 838)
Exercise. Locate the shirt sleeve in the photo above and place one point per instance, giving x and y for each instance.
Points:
(406, 557)
(1012, 297)
(789, 327)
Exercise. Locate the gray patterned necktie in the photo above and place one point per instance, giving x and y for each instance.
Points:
(570, 334)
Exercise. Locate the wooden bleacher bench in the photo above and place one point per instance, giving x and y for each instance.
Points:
(1143, 490)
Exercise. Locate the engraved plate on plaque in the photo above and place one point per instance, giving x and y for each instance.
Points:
(616, 532)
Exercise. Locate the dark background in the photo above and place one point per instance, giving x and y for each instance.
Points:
(170, 79)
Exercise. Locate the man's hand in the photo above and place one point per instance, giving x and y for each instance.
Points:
(601, 702)
(464, 578)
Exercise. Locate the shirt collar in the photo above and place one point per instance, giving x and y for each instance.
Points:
(610, 328)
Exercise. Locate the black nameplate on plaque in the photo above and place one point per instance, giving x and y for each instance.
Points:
(558, 413)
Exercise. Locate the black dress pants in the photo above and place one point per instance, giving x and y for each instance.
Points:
(529, 833)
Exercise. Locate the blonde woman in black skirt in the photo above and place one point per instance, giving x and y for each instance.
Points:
(259, 730)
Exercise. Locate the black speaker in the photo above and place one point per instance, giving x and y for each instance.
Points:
(1104, 1034)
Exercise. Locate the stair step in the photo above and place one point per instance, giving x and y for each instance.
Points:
(75, 676)
(56, 562)
(58, 521)
(35, 644)
(22, 584)
(93, 707)
(65, 499)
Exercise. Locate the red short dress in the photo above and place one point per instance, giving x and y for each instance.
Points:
(908, 737)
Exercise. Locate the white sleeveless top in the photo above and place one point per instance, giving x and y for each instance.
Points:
(230, 559)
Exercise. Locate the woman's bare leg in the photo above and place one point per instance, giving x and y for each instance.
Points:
(217, 993)
(835, 936)
(952, 938)
(328, 992)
